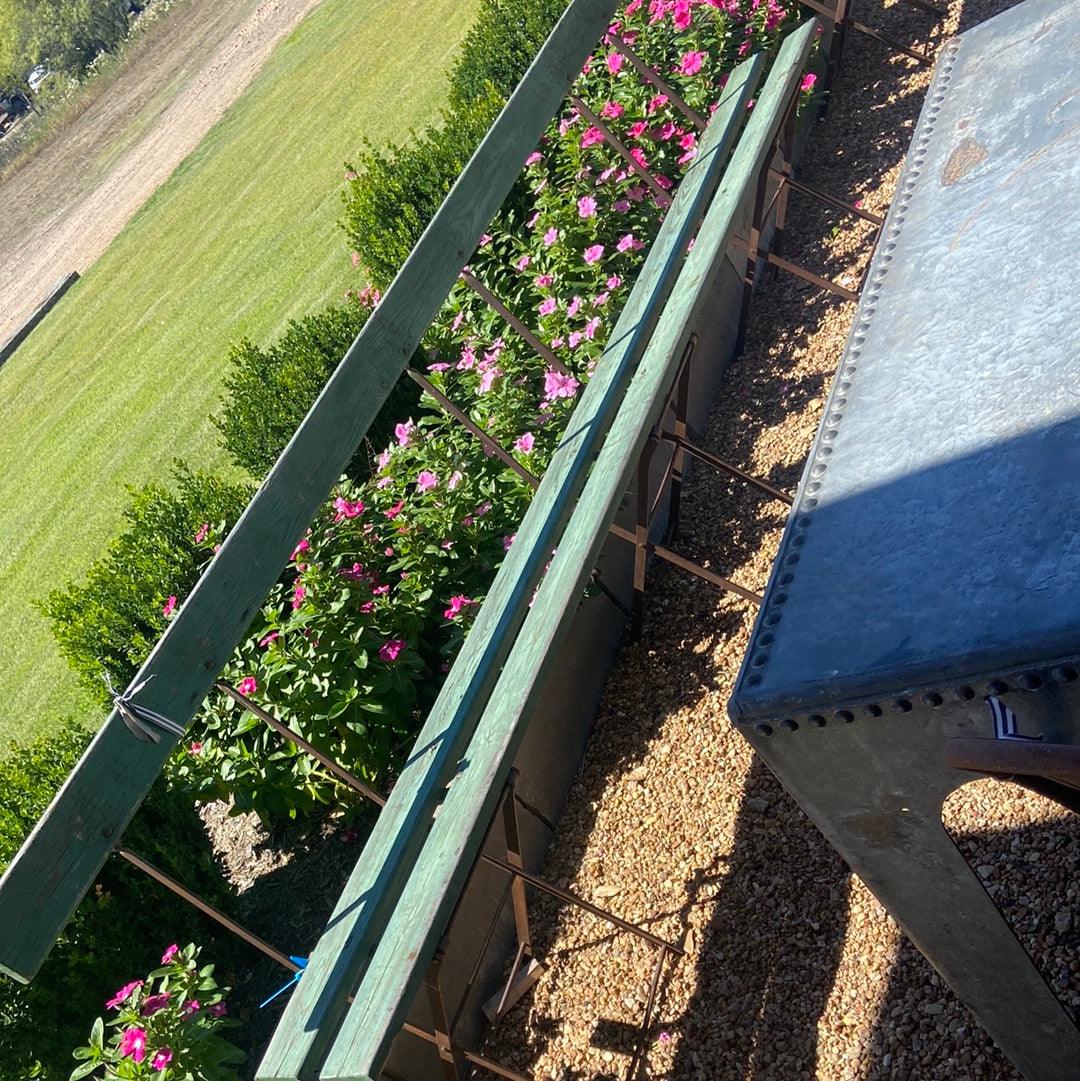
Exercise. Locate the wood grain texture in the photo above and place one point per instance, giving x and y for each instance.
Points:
(61, 858)
(396, 970)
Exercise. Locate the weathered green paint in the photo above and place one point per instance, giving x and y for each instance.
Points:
(407, 945)
(374, 890)
(62, 857)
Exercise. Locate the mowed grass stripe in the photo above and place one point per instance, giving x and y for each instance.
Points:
(123, 374)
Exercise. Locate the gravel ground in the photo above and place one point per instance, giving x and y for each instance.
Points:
(793, 970)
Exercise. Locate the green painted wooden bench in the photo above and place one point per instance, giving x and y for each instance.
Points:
(607, 432)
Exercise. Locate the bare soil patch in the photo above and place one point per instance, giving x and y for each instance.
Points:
(66, 203)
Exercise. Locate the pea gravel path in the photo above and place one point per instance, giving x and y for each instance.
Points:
(794, 971)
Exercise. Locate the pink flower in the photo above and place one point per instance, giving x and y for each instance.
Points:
(547, 306)
(169, 608)
(574, 306)
(169, 954)
(612, 110)
(681, 16)
(557, 385)
(664, 1037)
(487, 380)
(614, 281)
(508, 540)
(575, 339)
(630, 243)
(303, 546)
(395, 510)
(614, 61)
(219, 1009)
(657, 102)
(523, 262)
(455, 479)
(404, 432)
(122, 994)
(690, 63)
(457, 605)
(192, 1006)
(807, 84)
(248, 684)
(534, 158)
(637, 129)
(857, 204)
(544, 280)
(591, 327)
(550, 237)
(665, 131)
(298, 595)
(133, 1044)
(271, 637)
(154, 1003)
(600, 300)
(524, 443)
(586, 206)
(389, 651)
(161, 1059)
(591, 137)
(347, 509)
(593, 254)
(195, 748)
(426, 480)
(201, 532)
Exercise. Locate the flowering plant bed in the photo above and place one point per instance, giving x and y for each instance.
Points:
(166, 1026)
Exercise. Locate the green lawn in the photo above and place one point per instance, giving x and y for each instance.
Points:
(122, 375)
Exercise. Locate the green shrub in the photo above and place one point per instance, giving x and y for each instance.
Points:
(396, 190)
(116, 930)
(111, 622)
(500, 46)
(269, 391)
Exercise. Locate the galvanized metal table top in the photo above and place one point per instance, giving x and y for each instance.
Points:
(936, 531)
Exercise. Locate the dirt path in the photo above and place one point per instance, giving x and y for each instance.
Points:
(51, 227)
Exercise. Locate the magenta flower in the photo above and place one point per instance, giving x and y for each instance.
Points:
(550, 237)
(557, 385)
(807, 84)
(394, 511)
(547, 306)
(614, 61)
(457, 605)
(593, 254)
(404, 432)
(629, 243)
(346, 509)
(426, 480)
(657, 102)
(154, 1003)
(508, 540)
(612, 110)
(303, 546)
(122, 994)
(523, 262)
(544, 280)
(591, 137)
(169, 607)
(248, 685)
(574, 307)
(690, 63)
(524, 443)
(586, 206)
(637, 129)
(169, 954)
(664, 1037)
(591, 327)
(298, 595)
(195, 748)
(219, 1009)
(191, 1006)
(133, 1044)
(681, 15)
(161, 1059)
(614, 281)
(389, 651)
(202, 532)
(665, 131)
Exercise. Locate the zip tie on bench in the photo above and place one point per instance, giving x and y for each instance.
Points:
(141, 721)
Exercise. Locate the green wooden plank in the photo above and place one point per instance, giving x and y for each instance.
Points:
(396, 971)
(62, 857)
(397, 968)
(311, 1017)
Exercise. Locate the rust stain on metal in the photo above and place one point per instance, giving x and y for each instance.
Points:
(962, 160)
